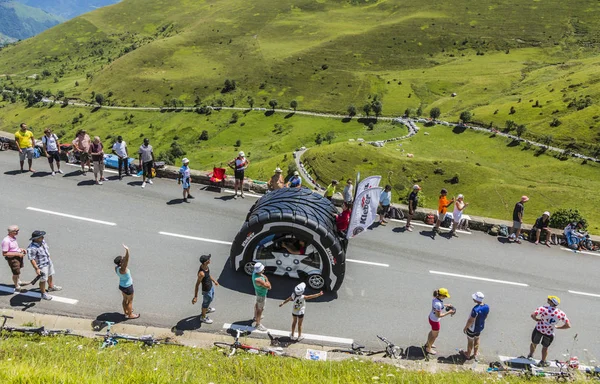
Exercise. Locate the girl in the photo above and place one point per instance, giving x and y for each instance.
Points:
(438, 310)
(299, 306)
(125, 283)
(459, 206)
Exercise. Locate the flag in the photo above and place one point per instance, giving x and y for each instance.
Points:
(364, 211)
(369, 182)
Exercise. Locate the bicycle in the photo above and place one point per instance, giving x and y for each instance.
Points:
(231, 348)
(40, 331)
(391, 350)
(112, 338)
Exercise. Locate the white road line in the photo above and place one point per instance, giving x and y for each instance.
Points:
(245, 194)
(105, 169)
(479, 278)
(275, 332)
(368, 262)
(431, 226)
(584, 293)
(38, 295)
(71, 216)
(195, 238)
(587, 253)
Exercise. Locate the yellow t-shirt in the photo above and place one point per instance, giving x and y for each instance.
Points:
(330, 191)
(24, 139)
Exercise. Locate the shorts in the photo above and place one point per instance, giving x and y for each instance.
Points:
(26, 152)
(186, 183)
(84, 157)
(384, 210)
(472, 335)
(260, 302)
(239, 175)
(98, 167)
(537, 337)
(207, 297)
(435, 325)
(298, 315)
(516, 224)
(15, 263)
(127, 290)
(47, 270)
(53, 156)
(147, 168)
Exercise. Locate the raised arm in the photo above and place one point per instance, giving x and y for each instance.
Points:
(310, 297)
(125, 261)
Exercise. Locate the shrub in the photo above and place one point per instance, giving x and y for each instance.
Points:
(438, 171)
(204, 135)
(238, 143)
(176, 150)
(555, 122)
(563, 217)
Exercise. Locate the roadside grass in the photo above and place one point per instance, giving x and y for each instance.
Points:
(493, 173)
(33, 360)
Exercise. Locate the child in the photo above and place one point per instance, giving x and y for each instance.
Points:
(299, 305)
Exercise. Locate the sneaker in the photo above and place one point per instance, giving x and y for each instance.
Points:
(104, 179)
(150, 181)
(261, 328)
(185, 200)
(475, 358)
(543, 363)
(409, 229)
(206, 320)
(53, 173)
(454, 234)
(299, 338)
(536, 243)
(242, 196)
(190, 196)
(46, 296)
(144, 184)
(235, 197)
(60, 171)
(55, 288)
(18, 289)
(99, 183)
(210, 310)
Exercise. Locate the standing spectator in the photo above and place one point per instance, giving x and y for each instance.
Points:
(438, 310)
(547, 318)
(299, 307)
(459, 207)
(208, 289)
(239, 164)
(342, 222)
(330, 191)
(443, 204)
(14, 256)
(276, 181)
(262, 285)
(125, 283)
(146, 162)
(385, 199)
(474, 326)
(542, 223)
(348, 191)
(97, 152)
(39, 256)
(82, 144)
(51, 146)
(295, 181)
(186, 179)
(413, 203)
(119, 148)
(25, 145)
(518, 219)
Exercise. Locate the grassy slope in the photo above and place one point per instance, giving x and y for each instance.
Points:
(25, 21)
(369, 48)
(34, 360)
(492, 188)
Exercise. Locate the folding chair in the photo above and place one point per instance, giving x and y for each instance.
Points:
(217, 178)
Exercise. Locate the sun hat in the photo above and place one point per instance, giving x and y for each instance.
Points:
(547, 213)
(300, 289)
(478, 297)
(296, 173)
(37, 235)
(185, 160)
(460, 196)
(278, 170)
(205, 258)
(443, 292)
(416, 187)
(242, 154)
(524, 198)
(554, 300)
(258, 268)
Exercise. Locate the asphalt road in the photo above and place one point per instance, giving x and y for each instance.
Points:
(391, 298)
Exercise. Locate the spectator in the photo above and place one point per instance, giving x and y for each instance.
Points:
(342, 220)
(385, 199)
(186, 179)
(299, 307)
(547, 318)
(348, 191)
(438, 310)
(119, 148)
(459, 206)
(51, 147)
(276, 182)
(518, 219)
(295, 181)
(239, 164)
(146, 162)
(97, 153)
(25, 145)
(474, 326)
(573, 236)
(413, 203)
(261, 288)
(82, 144)
(39, 256)
(542, 224)
(330, 191)
(443, 204)
(14, 256)
(208, 289)
(125, 283)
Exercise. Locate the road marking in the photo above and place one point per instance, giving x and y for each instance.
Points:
(275, 332)
(38, 295)
(587, 253)
(71, 216)
(195, 238)
(245, 194)
(105, 169)
(431, 226)
(584, 293)
(479, 278)
(368, 262)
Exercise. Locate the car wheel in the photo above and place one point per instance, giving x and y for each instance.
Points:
(249, 268)
(316, 282)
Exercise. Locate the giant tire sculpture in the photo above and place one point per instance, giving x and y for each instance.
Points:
(300, 214)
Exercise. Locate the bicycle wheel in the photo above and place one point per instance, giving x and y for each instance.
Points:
(346, 351)
(226, 346)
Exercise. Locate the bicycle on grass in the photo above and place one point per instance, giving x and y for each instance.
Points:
(229, 349)
(112, 338)
(40, 331)
(391, 350)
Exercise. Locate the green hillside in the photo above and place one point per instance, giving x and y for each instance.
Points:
(538, 57)
(67, 9)
(19, 21)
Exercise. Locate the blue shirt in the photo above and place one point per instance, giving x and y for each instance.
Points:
(39, 253)
(295, 181)
(479, 312)
(185, 172)
(125, 279)
(385, 198)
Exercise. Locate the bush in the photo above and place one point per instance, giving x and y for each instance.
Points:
(166, 157)
(563, 217)
(176, 150)
(204, 135)
(438, 171)
(238, 143)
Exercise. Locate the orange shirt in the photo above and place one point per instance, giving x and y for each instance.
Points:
(443, 204)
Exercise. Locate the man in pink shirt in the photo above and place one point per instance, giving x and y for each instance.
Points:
(13, 255)
(82, 144)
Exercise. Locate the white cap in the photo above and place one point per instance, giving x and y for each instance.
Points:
(296, 173)
(460, 196)
(478, 297)
(241, 154)
(300, 289)
(185, 160)
(258, 268)
(416, 187)
(547, 213)
(278, 170)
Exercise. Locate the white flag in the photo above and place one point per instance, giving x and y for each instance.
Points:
(364, 211)
(369, 182)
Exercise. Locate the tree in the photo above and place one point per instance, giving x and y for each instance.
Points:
(319, 139)
(512, 111)
(377, 107)
(434, 113)
(521, 129)
(419, 111)
(77, 83)
(238, 143)
(407, 112)
(351, 110)
(250, 101)
(329, 136)
(509, 124)
(466, 116)
(60, 94)
(367, 109)
(99, 98)
(273, 103)
(294, 105)
(204, 135)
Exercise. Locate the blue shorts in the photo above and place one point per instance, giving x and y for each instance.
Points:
(186, 183)
(207, 297)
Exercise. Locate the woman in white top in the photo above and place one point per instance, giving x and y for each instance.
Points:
(438, 310)
(459, 206)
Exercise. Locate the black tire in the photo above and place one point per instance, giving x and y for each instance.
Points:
(299, 212)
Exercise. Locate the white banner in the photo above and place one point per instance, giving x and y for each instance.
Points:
(369, 182)
(364, 211)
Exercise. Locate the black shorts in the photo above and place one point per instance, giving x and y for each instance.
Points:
(298, 316)
(239, 175)
(127, 290)
(53, 156)
(537, 337)
(147, 168)
(471, 335)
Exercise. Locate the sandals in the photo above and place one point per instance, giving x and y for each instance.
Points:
(133, 317)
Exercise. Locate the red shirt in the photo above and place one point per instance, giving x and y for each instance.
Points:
(342, 220)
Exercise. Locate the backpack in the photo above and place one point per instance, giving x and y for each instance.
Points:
(430, 219)
(447, 222)
(503, 231)
(494, 230)
(395, 213)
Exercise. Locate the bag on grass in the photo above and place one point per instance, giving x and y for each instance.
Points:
(503, 231)
(494, 230)
(430, 219)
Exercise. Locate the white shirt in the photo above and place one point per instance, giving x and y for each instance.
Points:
(50, 142)
(120, 148)
(299, 305)
(436, 305)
